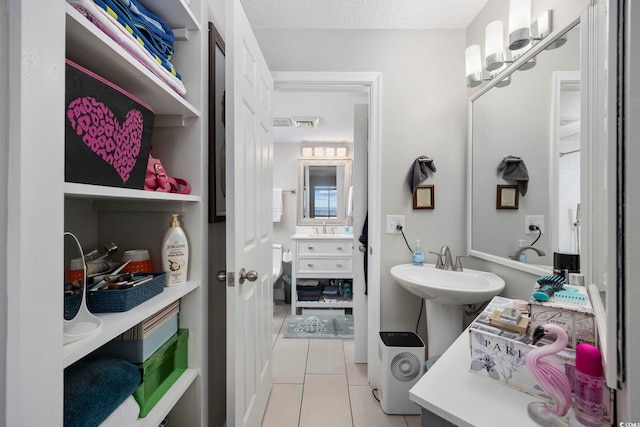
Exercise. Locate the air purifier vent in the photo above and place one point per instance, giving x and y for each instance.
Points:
(405, 367)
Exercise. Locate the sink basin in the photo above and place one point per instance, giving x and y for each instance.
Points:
(448, 287)
(445, 293)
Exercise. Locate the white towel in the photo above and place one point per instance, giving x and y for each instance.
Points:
(125, 415)
(350, 202)
(277, 204)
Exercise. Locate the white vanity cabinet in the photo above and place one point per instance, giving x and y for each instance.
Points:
(322, 257)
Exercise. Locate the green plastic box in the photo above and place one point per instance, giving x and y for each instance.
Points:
(161, 370)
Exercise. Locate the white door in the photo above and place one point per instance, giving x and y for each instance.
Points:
(360, 201)
(249, 151)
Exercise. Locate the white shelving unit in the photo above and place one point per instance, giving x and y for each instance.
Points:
(137, 218)
(321, 257)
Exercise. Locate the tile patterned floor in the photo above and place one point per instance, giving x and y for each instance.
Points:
(316, 384)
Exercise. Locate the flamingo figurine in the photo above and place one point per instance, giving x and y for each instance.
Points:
(550, 378)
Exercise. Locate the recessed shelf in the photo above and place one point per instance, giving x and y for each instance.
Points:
(88, 46)
(176, 14)
(87, 191)
(116, 323)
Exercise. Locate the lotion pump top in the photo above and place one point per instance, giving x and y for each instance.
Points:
(175, 222)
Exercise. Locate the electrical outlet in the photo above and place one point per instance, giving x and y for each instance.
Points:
(533, 220)
(393, 221)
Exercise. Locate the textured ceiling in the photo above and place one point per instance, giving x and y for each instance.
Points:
(362, 14)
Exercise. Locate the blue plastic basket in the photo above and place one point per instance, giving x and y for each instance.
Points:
(119, 300)
(72, 305)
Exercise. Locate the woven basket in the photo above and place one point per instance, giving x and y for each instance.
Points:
(119, 300)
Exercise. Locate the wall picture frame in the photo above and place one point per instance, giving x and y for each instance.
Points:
(507, 197)
(424, 197)
(217, 149)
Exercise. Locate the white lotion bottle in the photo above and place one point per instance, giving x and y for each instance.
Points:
(175, 253)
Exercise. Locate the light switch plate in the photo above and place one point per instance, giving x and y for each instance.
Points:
(533, 220)
(392, 223)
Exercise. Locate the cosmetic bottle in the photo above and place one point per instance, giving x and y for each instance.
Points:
(418, 255)
(175, 253)
(588, 386)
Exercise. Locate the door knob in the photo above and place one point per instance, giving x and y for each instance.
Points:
(363, 249)
(222, 276)
(250, 275)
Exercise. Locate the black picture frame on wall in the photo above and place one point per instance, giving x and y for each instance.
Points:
(217, 149)
(507, 197)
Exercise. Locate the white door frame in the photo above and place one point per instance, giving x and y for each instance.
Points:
(372, 80)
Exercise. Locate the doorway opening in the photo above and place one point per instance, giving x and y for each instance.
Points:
(346, 105)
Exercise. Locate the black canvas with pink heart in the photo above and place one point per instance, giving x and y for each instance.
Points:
(107, 132)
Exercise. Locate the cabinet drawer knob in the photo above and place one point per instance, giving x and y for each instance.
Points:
(310, 248)
(338, 265)
(339, 248)
(309, 265)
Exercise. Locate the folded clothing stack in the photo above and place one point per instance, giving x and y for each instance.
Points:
(308, 290)
(330, 292)
(95, 388)
(150, 31)
(142, 34)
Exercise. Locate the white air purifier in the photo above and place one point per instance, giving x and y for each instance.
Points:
(401, 356)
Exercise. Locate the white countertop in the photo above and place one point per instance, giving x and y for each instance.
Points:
(322, 236)
(450, 391)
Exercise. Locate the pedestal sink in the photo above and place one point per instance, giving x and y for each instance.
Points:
(445, 293)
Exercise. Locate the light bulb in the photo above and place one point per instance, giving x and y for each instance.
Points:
(473, 65)
(519, 22)
(494, 45)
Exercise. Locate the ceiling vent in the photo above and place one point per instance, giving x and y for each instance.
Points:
(282, 122)
(306, 122)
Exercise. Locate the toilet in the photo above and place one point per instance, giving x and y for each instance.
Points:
(277, 261)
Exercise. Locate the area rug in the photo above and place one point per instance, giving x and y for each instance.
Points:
(319, 326)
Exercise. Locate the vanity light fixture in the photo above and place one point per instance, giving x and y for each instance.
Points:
(494, 46)
(522, 32)
(519, 22)
(473, 64)
(522, 35)
(324, 151)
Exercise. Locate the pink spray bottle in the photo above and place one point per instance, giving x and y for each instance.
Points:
(588, 387)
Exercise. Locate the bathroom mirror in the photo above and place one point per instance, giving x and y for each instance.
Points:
(536, 117)
(323, 191)
(589, 38)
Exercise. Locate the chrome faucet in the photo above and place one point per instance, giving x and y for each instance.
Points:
(446, 253)
(516, 256)
(444, 261)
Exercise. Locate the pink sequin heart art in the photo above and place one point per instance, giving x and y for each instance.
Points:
(117, 144)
